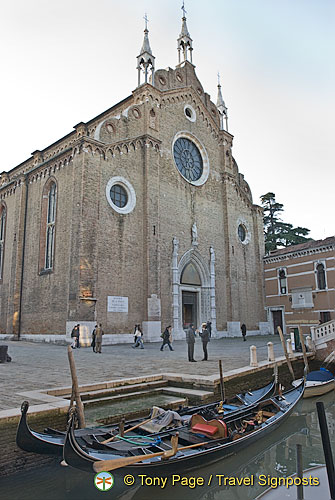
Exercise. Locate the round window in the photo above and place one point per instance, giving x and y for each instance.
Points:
(190, 113)
(119, 195)
(242, 234)
(188, 159)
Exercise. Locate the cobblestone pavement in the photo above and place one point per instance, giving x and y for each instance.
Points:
(37, 366)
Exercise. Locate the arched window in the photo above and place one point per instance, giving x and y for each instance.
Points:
(2, 237)
(48, 227)
(282, 282)
(321, 276)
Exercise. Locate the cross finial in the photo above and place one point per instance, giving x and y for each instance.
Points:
(146, 20)
(183, 9)
(219, 79)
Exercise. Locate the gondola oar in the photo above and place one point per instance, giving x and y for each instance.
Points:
(106, 465)
(288, 361)
(223, 398)
(128, 430)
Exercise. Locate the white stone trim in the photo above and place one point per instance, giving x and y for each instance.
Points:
(206, 308)
(298, 253)
(204, 156)
(269, 311)
(241, 221)
(301, 264)
(130, 193)
(282, 268)
(193, 113)
(316, 263)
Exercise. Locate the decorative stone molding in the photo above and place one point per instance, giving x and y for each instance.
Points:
(131, 196)
(300, 253)
(212, 290)
(175, 285)
(203, 152)
(37, 157)
(241, 221)
(81, 129)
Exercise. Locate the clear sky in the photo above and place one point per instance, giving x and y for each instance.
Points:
(66, 61)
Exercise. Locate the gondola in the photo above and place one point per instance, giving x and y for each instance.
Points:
(318, 382)
(195, 444)
(51, 441)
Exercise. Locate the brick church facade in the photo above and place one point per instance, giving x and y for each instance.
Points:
(138, 216)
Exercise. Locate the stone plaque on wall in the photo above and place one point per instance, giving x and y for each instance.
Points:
(154, 306)
(117, 304)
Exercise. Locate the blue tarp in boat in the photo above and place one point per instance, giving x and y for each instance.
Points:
(321, 375)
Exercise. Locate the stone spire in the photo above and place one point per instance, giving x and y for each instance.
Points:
(184, 41)
(223, 110)
(146, 61)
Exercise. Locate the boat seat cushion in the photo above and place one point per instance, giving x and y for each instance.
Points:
(205, 429)
(208, 427)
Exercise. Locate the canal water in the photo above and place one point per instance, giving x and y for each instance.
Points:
(260, 463)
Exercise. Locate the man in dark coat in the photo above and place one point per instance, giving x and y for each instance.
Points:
(76, 334)
(190, 339)
(204, 334)
(244, 331)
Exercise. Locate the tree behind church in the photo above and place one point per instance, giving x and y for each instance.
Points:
(278, 233)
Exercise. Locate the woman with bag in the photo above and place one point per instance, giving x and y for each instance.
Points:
(138, 334)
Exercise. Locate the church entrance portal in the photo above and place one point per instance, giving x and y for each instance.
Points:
(189, 303)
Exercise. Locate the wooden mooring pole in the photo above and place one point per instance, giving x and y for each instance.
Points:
(221, 382)
(289, 364)
(303, 348)
(75, 389)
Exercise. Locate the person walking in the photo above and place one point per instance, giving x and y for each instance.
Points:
(204, 334)
(190, 339)
(98, 338)
(138, 334)
(76, 334)
(73, 336)
(166, 336)
(244, 331)
(93, 338)
(209, 328)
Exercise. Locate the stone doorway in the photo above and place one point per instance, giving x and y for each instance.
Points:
(277, 317)
(189, 308)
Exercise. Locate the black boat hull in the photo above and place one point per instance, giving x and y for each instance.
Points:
(77, 457)
(52, 444)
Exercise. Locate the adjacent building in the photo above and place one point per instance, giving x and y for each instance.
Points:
(300, 285)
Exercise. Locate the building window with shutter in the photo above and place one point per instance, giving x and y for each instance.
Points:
(3, 214)
(321, 276)
(324, 317)
(282, 281)
(48, 227)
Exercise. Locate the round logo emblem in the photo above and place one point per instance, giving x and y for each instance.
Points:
(103, 481)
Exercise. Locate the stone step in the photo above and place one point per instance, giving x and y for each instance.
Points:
(127, 395)
(119, 390)
(172, 404)
(193, 395)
